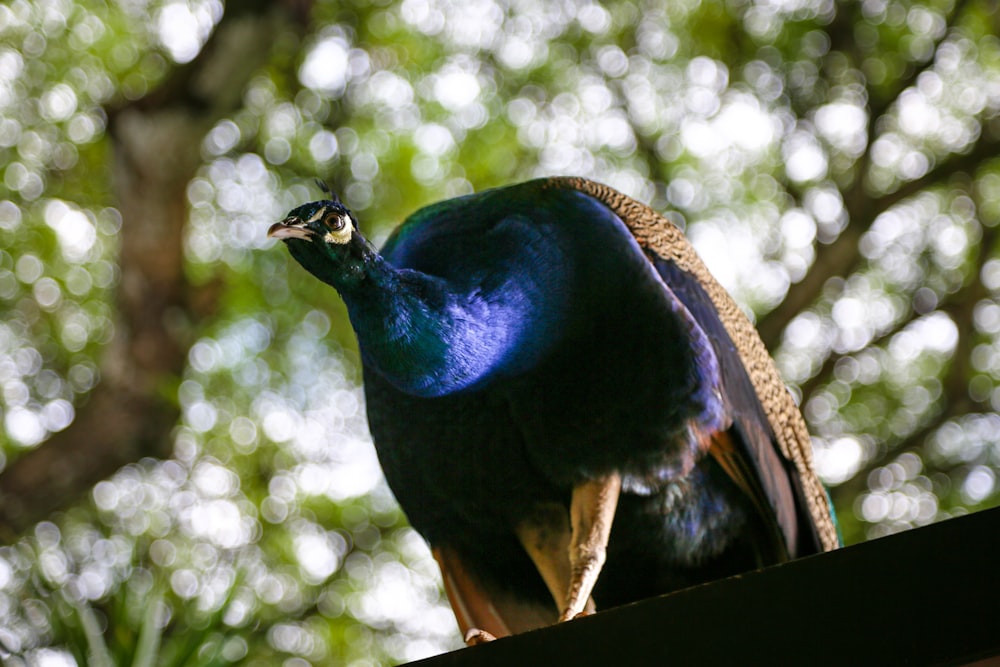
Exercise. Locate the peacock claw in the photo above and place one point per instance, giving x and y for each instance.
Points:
(565, 616)
(475, 636)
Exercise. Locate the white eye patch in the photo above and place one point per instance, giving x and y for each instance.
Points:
(343, 234)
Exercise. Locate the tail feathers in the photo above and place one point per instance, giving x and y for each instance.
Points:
(771, 494)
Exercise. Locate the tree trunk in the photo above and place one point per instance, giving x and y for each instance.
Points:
(157, 149)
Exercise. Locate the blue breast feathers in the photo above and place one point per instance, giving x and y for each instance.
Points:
(469, 306)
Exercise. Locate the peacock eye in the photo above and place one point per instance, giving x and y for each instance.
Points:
(334, 222)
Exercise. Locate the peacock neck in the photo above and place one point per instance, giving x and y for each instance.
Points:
(429, 337)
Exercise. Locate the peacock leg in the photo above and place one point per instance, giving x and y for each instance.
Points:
(570, 551)
(545, 536)
(483, 612)
(592, 511)
(477, 618)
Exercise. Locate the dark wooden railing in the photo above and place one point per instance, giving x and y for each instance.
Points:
(929, 596)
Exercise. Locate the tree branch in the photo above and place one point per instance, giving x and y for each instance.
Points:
(955, 384)
(879, 109)
(842, 256)
(952, 304)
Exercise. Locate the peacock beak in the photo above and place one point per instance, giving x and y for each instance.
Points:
(291, 228)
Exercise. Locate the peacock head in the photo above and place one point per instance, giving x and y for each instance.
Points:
(323, 237)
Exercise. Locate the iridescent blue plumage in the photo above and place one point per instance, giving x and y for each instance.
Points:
(520, 343)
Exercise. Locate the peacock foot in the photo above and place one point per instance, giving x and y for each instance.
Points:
(475, 636)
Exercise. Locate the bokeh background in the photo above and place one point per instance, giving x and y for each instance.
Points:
(186, 475)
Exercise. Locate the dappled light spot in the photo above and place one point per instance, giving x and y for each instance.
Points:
(92, 584)
(212, 479)
(184, 583)
(57, 415)
(388, 89)
(219, 521)
(163, 553)
(978, 485)
(244, 434)
(900, 497)
(827, 207)
(28, 268)
(326, 65)
(183, 27)
(24, 426)
(58, 103)
(51, 657)
(291, 638)
(6, 573)
(323, 146)
(200, 416)
(277, 150)
(222, 138)
(838, 460)
(54, 565)
(319, 554)
(10, 215)
(991, 274)
(744, 124)
(844, 125)
(47, 293)
(804, 159)
(280, 425)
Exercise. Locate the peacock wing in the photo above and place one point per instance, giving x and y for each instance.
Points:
(764, 412)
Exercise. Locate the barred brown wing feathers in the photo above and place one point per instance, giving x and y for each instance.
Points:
(656, 233)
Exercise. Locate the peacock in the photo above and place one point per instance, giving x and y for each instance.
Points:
(569, 408)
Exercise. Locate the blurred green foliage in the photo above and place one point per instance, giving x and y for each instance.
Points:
(763, 128)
